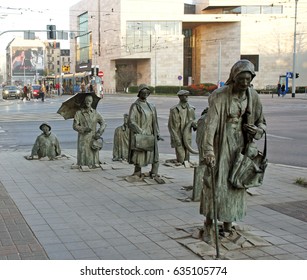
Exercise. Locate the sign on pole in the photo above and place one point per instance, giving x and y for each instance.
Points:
(65, 68)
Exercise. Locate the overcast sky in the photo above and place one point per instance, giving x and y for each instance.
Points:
(32, 14)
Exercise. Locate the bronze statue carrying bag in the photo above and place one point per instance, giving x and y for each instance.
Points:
(144, 142)
(248, 169)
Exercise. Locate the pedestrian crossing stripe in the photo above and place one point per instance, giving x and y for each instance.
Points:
(30, 117)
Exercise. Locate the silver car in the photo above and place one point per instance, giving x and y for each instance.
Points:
(11, 92)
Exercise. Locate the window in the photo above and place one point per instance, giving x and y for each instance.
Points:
(142, 36)
(232, 10)
(83, 41)
(189, 9)
(251, 10)
(272, 9)
(268, 9)
(253, 58)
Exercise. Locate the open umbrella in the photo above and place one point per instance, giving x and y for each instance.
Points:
(71, 105)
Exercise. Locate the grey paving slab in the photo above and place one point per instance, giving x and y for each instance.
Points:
(69, 214)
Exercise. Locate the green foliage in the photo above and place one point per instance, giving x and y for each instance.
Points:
(301, 181)
(135, 89)
(298, 89)
(301, 89)
(201, 89)
(168, 89)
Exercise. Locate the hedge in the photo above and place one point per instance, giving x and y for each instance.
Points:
(200, 89)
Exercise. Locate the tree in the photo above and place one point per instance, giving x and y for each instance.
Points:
(125, 76)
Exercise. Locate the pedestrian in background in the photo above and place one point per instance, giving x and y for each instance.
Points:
(283, 90)
(83, 87)
(25, 92)
(57, 87)
(278, 89)
(43, 92)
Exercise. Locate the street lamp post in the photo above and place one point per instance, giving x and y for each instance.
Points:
(60, 78)
(219, 64)
(24, 75)
(155, 55)
(294, 53)
(155, 66)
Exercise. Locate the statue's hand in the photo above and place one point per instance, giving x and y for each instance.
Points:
(97, 136)
(87, 130)
(178, 143)
(194, 125)
(209, 160)
(251, 129)
(160, 138)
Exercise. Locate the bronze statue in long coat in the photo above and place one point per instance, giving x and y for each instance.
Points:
(143, 120)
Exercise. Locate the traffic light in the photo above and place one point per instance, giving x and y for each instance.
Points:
(93, 72)
(297, 75)
(51, 32)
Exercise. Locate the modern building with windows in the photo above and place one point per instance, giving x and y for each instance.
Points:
(180, 42)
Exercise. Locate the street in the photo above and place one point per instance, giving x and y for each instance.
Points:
(286, 120)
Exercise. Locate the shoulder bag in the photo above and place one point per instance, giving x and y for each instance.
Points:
(248, 172)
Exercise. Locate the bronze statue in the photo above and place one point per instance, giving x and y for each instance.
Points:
(181, 116)
(144, 134)
(89, 136)
(235, 117)
(46, 144)
(201, 130)
(121, 141)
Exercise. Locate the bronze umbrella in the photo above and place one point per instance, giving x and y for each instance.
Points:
(71, 105)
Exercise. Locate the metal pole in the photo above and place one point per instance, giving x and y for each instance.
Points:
(294, 53)
(24, 74)
(155, 65)
(61, 91)
(219, 64)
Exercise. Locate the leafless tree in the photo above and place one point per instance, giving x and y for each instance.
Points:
(125, 76)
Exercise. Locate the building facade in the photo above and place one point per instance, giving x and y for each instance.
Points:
(180, 42)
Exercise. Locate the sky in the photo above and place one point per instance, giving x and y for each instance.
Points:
(30, 15)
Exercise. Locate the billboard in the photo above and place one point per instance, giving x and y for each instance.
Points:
(27, 61)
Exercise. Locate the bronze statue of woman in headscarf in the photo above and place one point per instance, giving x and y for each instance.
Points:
(235, 114)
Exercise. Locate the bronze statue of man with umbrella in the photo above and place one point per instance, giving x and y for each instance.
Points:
(89, 124)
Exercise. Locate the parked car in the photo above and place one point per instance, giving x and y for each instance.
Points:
(36, 91)
(11, 91)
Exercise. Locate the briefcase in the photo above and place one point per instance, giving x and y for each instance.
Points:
(144, 142)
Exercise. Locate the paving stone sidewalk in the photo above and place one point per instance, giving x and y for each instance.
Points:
(17, 241)
(51, 211)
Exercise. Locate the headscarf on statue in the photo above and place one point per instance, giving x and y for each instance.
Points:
(243, 65)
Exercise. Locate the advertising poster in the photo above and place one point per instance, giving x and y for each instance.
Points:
(27, 61)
